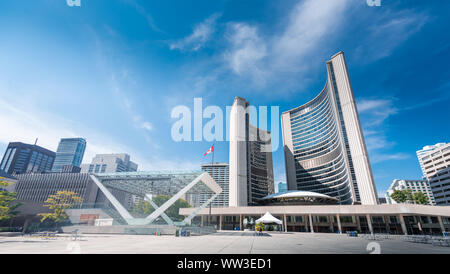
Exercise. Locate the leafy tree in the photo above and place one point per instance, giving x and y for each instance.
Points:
(402, 196)
(420, 198)
(8, 204)
(145, 208)
(142, 208)
(59, 202)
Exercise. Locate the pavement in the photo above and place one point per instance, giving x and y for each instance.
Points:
(224, 242)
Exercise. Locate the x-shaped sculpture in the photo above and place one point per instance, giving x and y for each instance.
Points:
(159, 211)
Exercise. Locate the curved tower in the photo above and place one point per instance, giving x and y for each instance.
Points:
(323, 143)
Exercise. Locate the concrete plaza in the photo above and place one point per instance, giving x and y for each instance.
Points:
(218, 243)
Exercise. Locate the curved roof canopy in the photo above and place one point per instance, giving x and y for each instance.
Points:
(299, 197)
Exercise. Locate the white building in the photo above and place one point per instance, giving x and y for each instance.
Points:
(324, 146)
(251, 166)
(110, 163)
(220, 173)
(423, 152)
(437, 170)
(414, 185)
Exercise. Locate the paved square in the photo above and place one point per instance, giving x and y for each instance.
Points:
(218, 243)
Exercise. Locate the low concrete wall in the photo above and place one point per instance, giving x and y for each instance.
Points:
(75, 214)
(10, 234)
(122, 229)
(136, 230)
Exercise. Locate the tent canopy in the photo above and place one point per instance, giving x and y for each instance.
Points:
(268, 219)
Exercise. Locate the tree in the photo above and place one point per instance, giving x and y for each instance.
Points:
(59, 202)
(8, 204)
(145, 208)
(420, 198)
(142, 208)
(402, 196)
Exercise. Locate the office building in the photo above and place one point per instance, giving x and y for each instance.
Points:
(413, 185)
(282, 187)
(251, 166)
(38, 187)
(220, 173)
(70, 153)
(110, 163)
(324, 145)
(22, 158)
(424, 151)
(436, 165)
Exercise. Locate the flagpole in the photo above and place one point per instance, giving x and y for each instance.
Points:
(212, 162)
(212, 170)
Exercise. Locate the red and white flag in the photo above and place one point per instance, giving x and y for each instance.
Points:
(209, 150)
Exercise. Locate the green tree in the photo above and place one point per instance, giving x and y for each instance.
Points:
(8, 204)
(142, 208)
(402, 196)
(58, 203)
(145, 208)
(420, 198)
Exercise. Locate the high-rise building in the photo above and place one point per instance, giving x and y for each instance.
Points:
(424, 151)
(220, 173)
(324, 144)
(282, 187)
(22, 158)
(436, 164)
(70, 153)
(251, 166)
(413, 185)
(110, 163)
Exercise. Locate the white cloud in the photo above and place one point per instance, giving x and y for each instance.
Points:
(247, 49)
(308, 25)
(376, 111)
(374, 114)
(143, 12)
(23, 125)
(201, 34)
(147, 126)
(389, 31)
(377, 158)
(266, 58)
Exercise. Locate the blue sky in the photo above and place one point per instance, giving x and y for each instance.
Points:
(112, 71)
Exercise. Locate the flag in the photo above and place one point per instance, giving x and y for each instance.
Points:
(209, 150)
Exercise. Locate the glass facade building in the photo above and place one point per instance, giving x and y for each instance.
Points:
(324, 145)
(70, 153)
(20, 158)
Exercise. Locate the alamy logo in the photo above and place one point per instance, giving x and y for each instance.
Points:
(372, 3)
(73, 3)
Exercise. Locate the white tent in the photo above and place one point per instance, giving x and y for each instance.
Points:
(268, 219)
